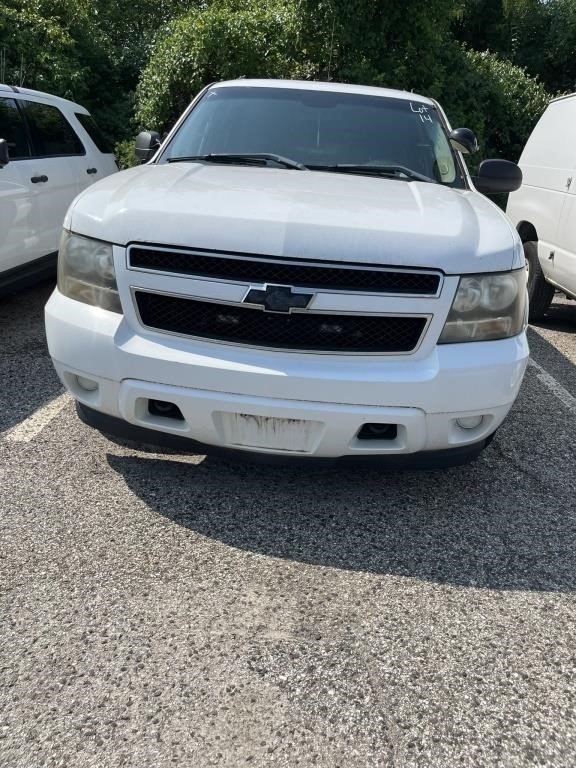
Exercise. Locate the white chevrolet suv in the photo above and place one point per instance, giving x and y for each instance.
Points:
(300, 269)
(50, 150)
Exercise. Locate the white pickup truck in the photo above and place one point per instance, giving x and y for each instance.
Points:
(300, 269)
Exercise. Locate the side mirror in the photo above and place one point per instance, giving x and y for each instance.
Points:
(4, 156)
(147, 142)
(497, 176)
(464, 140)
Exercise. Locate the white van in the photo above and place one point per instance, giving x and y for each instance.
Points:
(50, 150)
(302, 269)
(544, 208)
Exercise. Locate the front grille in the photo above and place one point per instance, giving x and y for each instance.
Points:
(266, 269)
(305, 331)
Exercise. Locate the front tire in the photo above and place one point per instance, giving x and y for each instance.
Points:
(540, 292)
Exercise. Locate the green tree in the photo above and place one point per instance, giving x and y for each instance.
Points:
(538, 35)
(348, 40)
(97, 51)
(90, 52)
(226, 40)
(408, 47)
(367, 41)
(38, 49)
(556, 42)
(493, 97)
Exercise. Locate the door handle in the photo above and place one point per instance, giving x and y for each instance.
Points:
(92, 170)
(39, 179)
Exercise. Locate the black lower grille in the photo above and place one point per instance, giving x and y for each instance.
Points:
(267, 269)
(306, 331)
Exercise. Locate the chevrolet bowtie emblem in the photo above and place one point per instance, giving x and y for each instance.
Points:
(278, 298)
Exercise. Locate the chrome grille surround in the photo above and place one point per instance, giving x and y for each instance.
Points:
(181, 303)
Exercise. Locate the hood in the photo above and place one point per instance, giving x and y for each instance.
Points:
(299, 214)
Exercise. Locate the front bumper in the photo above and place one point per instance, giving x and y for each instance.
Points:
(332, 396)
(118, 428)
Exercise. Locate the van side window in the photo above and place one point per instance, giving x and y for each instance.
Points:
(51, 134)
(12, 129)
(93, 130)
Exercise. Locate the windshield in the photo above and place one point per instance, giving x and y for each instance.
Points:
(320, 129)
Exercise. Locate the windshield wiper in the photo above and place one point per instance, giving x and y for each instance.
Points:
(394, 171)
(260, 159)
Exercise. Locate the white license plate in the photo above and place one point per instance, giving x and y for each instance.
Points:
(294, 435)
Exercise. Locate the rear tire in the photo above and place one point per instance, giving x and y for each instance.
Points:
(540, 292)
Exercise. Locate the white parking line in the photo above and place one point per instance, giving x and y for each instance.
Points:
(28, 429)
(554, 386)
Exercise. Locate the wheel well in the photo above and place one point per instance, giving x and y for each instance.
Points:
(527, 232)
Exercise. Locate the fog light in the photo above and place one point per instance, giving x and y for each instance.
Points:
(469, 422)
(378, 432)
(87, 384)
(165, 409)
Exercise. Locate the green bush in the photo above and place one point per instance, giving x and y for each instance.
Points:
(125, 152)
(224, 41)
(352, 41)
(346, 40)
(494, 98)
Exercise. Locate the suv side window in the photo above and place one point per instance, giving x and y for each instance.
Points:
(93, 130)
(50, 132)
(12, 129)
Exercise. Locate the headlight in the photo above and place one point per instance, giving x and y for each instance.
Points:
(487, 307)
(86, 272)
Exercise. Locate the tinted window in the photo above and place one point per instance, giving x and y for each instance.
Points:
(93, 130)
(319, 128)
(13, 130)
(51, 134)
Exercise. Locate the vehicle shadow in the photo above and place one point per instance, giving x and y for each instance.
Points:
(560, 316)
(559, 324)
(499, 523)
(26, 372)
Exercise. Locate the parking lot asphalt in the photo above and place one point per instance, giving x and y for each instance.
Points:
(164, 610)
